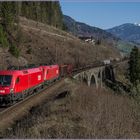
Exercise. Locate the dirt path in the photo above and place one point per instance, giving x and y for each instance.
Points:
(43, 31)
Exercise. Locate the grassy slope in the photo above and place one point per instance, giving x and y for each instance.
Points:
(51, 42)
(84, 113)
(45, 44)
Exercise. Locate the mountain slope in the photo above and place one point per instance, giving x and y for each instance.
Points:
(128, 32)
(42, 43)
(48, 12)
(106, 37)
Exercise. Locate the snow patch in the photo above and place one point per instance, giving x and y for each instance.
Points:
(137, 24)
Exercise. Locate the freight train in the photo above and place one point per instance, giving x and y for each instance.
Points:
(16, 84)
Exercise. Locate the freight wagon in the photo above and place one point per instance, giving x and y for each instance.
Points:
(65, 70)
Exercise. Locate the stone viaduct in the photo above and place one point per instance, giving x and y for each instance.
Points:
(97, 75)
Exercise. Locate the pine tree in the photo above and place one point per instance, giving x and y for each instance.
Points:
(9, 13)
(134, 66)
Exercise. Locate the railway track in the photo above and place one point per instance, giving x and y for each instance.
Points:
(9, 115)
(2, 109)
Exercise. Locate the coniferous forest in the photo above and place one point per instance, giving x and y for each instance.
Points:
(46, 12)
(10, 34)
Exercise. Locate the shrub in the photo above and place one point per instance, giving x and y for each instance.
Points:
(3, 38)
(14, 51)
(29, 51)
(135, 91)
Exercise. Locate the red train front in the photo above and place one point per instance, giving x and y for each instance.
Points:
(16, 83)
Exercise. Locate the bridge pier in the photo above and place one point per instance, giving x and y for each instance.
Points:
(88, 83)
(100, 79)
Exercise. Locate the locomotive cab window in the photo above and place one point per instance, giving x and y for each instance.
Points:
(5, 80)
(17, 80)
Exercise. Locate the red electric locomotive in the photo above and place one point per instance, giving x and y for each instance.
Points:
(16, 83)
(50, 73)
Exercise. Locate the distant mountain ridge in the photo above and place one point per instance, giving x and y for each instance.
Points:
(82, 29)
(114, 37)
(128, 32)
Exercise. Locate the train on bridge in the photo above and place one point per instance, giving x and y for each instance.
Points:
(16, 83)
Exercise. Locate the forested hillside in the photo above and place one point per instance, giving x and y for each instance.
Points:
(10, 30)
(43, 11)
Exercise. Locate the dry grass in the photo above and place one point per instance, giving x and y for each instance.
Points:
(106, 115)
(84, 113)
(121, 73)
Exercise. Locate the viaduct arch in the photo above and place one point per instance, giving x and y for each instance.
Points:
(96, 76)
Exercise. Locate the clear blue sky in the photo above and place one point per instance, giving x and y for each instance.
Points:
(102, 14)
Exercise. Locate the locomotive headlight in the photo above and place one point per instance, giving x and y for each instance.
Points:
(2, 91)
(11, 90)
(57, 71)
